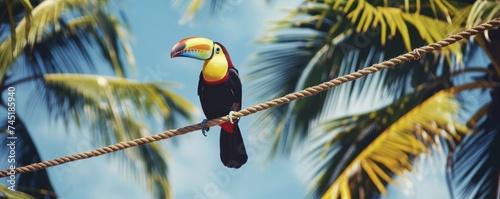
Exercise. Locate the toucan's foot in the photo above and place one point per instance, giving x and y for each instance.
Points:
(203, 128)
(231, 116)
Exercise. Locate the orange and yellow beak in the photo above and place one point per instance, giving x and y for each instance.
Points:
(193, 47)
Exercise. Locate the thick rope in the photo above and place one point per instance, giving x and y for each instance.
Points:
(414, 55)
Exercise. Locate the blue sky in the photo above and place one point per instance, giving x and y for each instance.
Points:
(195, 169)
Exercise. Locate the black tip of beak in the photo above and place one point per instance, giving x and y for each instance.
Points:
(178, 47)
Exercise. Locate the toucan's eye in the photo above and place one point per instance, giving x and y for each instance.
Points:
(217, 50)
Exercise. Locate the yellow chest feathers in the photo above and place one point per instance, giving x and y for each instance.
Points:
(215, 69)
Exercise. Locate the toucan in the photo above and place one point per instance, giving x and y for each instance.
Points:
(219, 90)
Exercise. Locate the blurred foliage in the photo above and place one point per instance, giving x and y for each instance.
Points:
(53, 46)
(408, 111)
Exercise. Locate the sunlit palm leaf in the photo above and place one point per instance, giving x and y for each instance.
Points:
(351, 35)
(35, 183)
(116, 109)
(194, 7)
(191, 10)
(340, 17)
(79, 93)
(393, 20)
(364, 152)
(481, 12)
(7, 194)
(9, 14)
(339, 26)
(490, 41)
(320, 41)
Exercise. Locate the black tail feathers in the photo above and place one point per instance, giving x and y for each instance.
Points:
(232, 149)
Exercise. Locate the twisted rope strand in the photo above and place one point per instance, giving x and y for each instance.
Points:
(307, 92)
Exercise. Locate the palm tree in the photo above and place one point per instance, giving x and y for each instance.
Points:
(57, 48)
(407, 112)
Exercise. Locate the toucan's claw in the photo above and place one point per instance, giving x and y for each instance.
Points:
(231, 116)
(203, 128)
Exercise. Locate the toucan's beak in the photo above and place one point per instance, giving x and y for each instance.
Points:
(193, 47)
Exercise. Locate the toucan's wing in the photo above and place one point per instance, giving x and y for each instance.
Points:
(234, 83)
(232, 148)
(200, 85)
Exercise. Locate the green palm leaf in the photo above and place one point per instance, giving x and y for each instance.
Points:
(364, 152)
(117, 109)
(51, 27)
(76, 94)
(9, 14)
(324, 39)
(68, 37)
(482, 11)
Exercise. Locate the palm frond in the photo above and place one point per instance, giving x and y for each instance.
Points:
(116, 110)
(363, 152)
(324, 40)
(68, 37)
(283, 72)
(9, 13)
(147, 162)
(481, 12)
(57, 23)
(35, 183)
(490, 41)
(474, 168)
(194, 8)
(7, 193)
(75, 93)
(390, 20)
